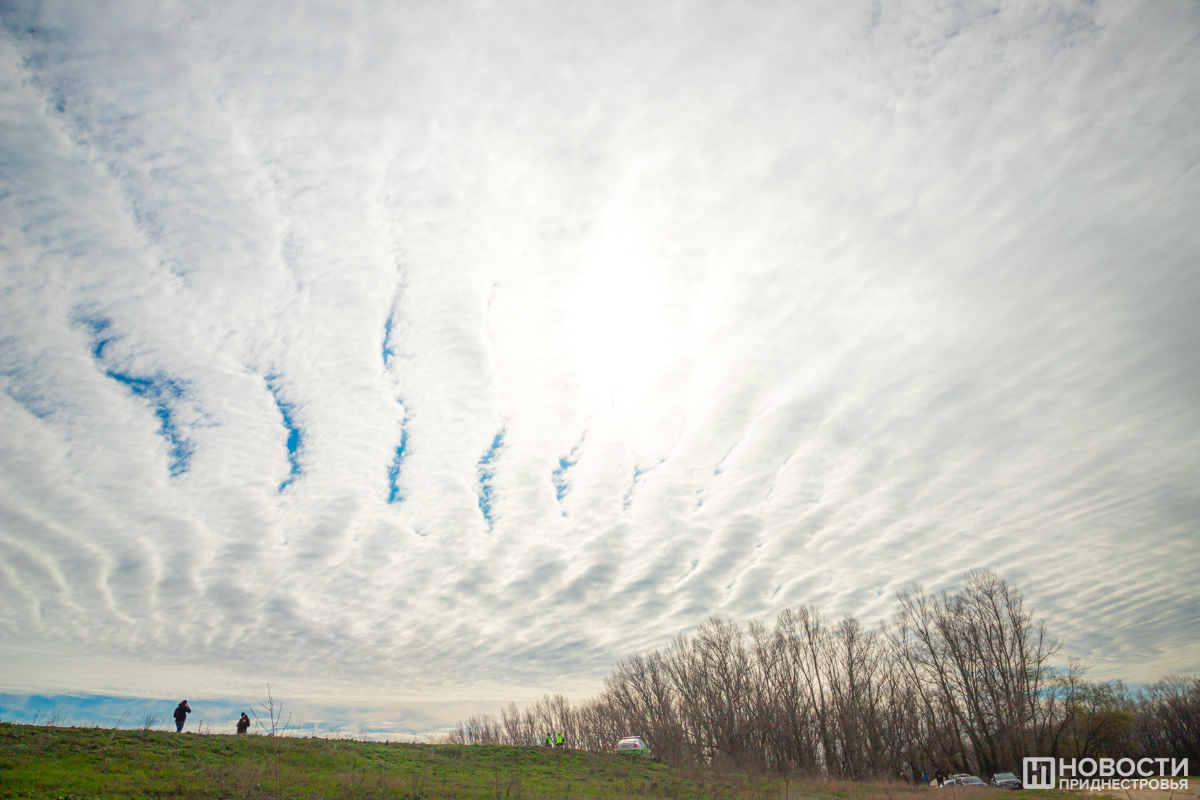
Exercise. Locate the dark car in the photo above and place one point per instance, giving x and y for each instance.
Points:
(1006, 780)
(970, 781)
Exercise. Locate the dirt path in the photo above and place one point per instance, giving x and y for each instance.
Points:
(1191, 793)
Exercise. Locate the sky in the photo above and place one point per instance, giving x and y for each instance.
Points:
(418, 357)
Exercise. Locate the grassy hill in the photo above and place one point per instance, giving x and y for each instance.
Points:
(49, 762)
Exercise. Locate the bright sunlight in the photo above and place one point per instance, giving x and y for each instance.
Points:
(618, 333)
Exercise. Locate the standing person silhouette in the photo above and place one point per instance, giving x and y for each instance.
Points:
(243, 723)
(181, 712)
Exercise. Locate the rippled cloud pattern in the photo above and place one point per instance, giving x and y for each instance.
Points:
(448, 352)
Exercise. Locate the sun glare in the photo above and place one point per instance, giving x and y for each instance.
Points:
(620, 339)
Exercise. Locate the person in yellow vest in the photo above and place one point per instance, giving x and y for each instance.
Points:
(549, 740)
(558, 740)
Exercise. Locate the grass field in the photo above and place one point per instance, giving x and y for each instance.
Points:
(46, 762)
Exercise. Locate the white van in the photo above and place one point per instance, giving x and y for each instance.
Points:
(632, 744)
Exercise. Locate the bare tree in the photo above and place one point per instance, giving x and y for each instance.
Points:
(979, 664)
(1169, 717)
(958, 681)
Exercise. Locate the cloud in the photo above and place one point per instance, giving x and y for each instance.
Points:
(451, 353)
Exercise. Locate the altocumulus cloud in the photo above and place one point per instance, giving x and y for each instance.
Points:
(448, 352)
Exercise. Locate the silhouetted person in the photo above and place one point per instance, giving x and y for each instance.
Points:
(181, 712)
(940, 777)
(243, 723)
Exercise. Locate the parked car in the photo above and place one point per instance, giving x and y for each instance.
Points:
(1006, 780)
(633, 745)
(970, 781)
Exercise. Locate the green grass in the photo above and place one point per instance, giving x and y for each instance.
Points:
(95, 763)
(89, 763)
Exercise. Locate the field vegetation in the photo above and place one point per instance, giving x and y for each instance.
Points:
(48, 762)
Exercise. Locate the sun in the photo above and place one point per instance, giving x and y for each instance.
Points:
(618, 332)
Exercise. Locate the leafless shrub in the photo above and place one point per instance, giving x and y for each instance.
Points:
(108, 742)
(275, 727)
(55, 718)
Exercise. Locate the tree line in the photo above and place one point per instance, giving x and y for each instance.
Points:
(961, 682)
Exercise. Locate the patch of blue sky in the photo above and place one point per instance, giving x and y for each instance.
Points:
(295, 440)
(100, 334)
(31, 401)
(637, 473)
(394, 495)
(163, 393)
(559, 476)
(721, 464)
(388, 352)
(487, 472)
(690, 569)
(99, 330)
(25, 385)
(110, 711)
(159, 389)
